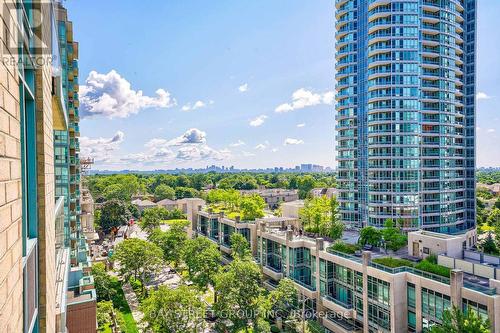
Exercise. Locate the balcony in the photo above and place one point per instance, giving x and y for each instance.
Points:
(338, 306)
(272, 272)
(337, 324)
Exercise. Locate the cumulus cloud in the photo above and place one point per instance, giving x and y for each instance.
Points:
(112, 96)
(243, 87)
(237, 144)
(302, 98)
(491, 130)
(195, 106)
(291, 141)
(482, 95)
(190, 146)
(101, 149)
(258, 121)
(301, 125)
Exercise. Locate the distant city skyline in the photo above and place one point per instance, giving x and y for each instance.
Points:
(227, 88)
(303, 168)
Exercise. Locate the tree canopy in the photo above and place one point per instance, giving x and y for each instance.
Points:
(239, 295)
(138, 258)
(203, 260)
(174, 310)
(455, 321)
(321, 215)
(240, 248)
(114, 213)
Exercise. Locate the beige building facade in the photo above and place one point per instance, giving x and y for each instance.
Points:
(32, 280)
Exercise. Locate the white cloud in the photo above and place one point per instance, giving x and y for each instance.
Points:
(491, 130)
(302, 98)
(190, 146)
(261, 146)
(101, 149)
(243, 87)
(290, 141)
(197, 105)
(258, 121)
(301, 125)
(274, 150)
(237, 144)
(482, 95)
(111, 95)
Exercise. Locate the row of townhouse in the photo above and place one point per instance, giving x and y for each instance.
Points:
(45, 273)
(351, 293)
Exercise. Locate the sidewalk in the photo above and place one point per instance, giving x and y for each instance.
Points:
(133, 303)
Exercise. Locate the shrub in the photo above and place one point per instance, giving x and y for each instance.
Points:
(432, 258)
(275, 329)
(429, 267)
(345, 248)
(393, 262)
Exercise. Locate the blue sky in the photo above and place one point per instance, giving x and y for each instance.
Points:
(247, 83)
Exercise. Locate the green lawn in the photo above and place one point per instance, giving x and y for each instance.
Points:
(485, 228)
(121, 306)
(170, 222)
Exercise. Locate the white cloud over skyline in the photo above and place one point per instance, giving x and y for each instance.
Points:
(101, 149)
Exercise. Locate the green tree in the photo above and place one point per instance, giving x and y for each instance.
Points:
(103, 282)
(305, 184)
(481, 211)
(284, 299)
(494, 217)
(484, 193)
(497, 203)
(114, 213)
(252, 207)
(134, 211)
(203, 261)
(321, 215)
(163, 191)
(238, 292)
(336, 226)
(152, 217)
(240, 248)
(370, 235)
(115, 191)
(185, 192)
(455, 321)
(138, 258)
(174, 310)
(104, 313)
(97, 217)
(489, 246)
(393, 236)
(171, 242)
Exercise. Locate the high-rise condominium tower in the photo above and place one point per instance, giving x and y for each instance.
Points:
(406, 112)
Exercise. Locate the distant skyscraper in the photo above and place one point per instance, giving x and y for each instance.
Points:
(406, 112)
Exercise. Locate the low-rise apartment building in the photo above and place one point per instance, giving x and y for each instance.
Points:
(353, 293)
(274, 196)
